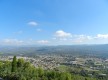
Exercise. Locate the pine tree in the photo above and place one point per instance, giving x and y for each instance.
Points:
(14, 64)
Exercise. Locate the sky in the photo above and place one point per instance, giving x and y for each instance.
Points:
(53, 22)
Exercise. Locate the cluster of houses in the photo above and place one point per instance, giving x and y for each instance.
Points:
(51, 62)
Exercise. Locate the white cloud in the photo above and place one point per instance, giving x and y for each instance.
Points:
(60, 38)
(62, 34)
(65, 36)
(19, 32)
(102, 36)
(32, 23)
(82, 38)
(68, 37)
(22, 42)
(39, 30)
(43, 42)
(12, 42)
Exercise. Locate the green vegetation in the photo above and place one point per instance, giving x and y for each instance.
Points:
(14, 64)
(21, 70)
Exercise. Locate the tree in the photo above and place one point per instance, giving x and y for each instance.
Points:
(41, 72)
(20, 62)
(85, 78)
(22, 77)
(14, 64)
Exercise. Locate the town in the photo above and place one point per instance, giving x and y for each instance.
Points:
(55, 61)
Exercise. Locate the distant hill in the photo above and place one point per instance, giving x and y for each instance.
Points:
(73, 50)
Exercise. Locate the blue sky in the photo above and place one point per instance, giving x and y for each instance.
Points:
(53, 22)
